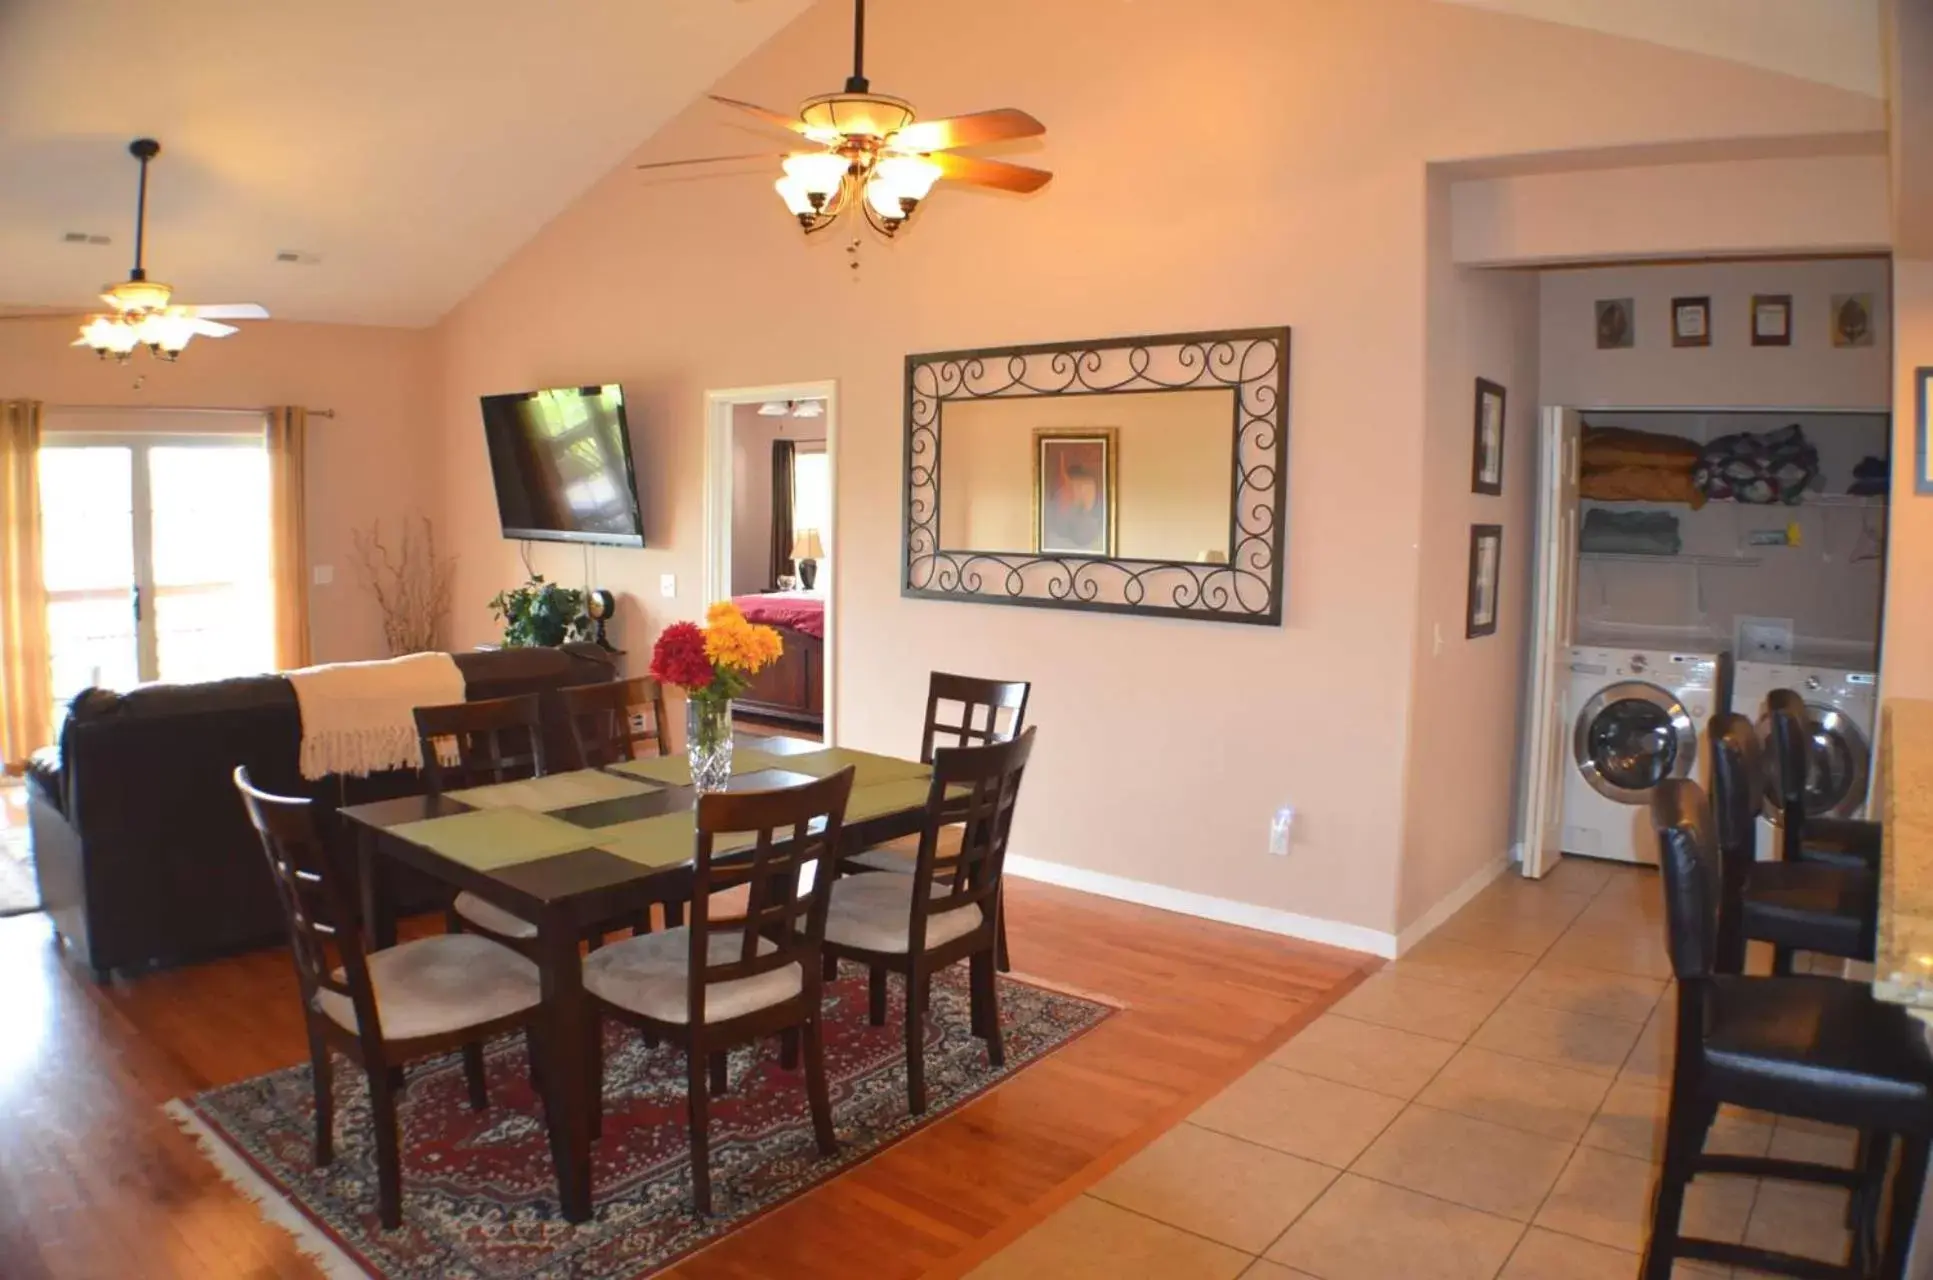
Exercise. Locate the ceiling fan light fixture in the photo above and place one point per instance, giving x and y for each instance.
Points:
(164, 333)
(907, 177)
(774, 409)
(109, 337)
(809, 409)
(888, 204)
(819, 173)
(137, 295)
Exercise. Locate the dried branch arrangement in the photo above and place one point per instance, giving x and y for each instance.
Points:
(411, 585)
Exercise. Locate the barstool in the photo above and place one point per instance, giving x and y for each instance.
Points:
(1839, 842)
(1795, 906)
(1815, 1048)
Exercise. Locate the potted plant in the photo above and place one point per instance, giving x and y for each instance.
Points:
(540, 613)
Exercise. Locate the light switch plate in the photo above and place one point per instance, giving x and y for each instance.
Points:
(667, 585)
(324, 574)
(1762, 639)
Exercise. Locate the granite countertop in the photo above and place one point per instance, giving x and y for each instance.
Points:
(1904, 972)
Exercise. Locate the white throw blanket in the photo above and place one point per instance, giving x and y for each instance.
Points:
(359, 717)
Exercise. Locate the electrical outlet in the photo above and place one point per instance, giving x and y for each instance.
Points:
(1762, 639)
(667, 585)
(1280, 828)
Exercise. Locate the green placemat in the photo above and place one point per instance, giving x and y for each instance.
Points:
(663, 841)
(886, 797)
(485, 839)
(675, 770)
(558, 791)
(868, 768)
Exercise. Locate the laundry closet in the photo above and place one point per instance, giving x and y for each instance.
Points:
(1712, 481)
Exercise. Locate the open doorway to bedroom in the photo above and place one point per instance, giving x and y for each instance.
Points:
(769, 539)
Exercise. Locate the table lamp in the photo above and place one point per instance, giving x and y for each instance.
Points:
(806, 551)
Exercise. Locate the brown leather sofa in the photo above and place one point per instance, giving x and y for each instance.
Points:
(144, 853)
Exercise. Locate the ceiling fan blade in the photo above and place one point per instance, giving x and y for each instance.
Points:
(750, 155)
(990, 173)
(764, 113)
(209, 329)
(228, 311)
(44, 315)
(981, 127)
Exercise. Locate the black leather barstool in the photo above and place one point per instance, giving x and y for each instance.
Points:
(1815, 1048)
(1795, 906)
(1840, 842)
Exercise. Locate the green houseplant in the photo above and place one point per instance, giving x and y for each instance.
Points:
(540, 613)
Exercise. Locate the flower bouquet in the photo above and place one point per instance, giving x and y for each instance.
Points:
(713, 664)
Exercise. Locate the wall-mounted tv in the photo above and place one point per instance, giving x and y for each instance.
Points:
(561, 459)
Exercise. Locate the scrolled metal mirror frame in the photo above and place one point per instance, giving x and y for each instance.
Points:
(1253, 363)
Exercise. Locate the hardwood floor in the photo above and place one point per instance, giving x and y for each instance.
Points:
(96, 1182)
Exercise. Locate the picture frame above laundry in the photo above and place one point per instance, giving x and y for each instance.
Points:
(1486, 448)
(1922, 452)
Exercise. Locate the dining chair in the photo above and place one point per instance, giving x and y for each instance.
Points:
(980, 722)
(1814, 1048)
(948, 909)
(381, 1009)
(712, 985)
(1794, 906)
(1843, 842)
(609, 721)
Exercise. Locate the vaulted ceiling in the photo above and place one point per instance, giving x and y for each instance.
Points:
(410, 146)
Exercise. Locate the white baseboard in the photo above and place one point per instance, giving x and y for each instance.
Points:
(1333, 933)
(1451, 904)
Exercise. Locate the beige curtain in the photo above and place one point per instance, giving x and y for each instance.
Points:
(288, 430)
(26, 694)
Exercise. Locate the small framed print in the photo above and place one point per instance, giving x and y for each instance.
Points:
(1852, 319)
(1922, 456)
(1075, 501)
(1486, 568)
(1486, 461)
(1617, 327)
(1691, 322)
(1771, 319)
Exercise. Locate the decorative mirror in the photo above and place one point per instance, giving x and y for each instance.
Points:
(1127, 475)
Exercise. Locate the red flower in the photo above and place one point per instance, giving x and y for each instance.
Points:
(679, 657)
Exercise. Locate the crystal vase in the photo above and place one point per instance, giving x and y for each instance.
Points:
(708, 742)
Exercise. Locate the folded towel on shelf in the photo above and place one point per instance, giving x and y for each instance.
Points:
(1640, 484)
(1635, 533)
(1761, 468)
(1606, 447)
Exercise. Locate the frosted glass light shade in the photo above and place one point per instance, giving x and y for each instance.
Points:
(109, 334)
(165, 332)
(793, 192)
(908, 177)
(884, 200)
(819, 172)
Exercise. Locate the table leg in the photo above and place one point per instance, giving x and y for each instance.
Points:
(378, 913)
(567, 1078)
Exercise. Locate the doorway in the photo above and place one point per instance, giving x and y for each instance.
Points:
(771, 462)
(156, 557)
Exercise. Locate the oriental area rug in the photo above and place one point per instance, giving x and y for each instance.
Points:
(479, 1188)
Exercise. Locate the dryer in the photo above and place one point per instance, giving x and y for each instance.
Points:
(1635, 718)
(1841, 701)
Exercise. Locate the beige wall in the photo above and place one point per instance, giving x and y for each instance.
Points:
(1731, 373)
(374, 459)
(1907, 658)
(1165, 744)
(1174, 463)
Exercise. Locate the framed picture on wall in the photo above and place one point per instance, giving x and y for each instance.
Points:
(1922, 456)
(1486, 461)
(1691, 322)
(1771, 319)
(1617, 327)
(1852, 319)
(1486, 569)
(1075, 494)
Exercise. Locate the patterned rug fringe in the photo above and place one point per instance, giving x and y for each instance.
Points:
(275, 1208)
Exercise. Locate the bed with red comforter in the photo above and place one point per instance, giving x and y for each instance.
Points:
(793, 688)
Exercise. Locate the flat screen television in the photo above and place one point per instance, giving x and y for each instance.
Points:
(561, 459)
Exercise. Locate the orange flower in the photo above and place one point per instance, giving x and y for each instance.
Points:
(734, 644)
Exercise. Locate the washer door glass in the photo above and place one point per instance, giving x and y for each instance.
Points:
(1836, 764)
(1633, 742)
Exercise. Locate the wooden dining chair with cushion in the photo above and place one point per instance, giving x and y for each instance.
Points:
(495, 740)
(1794, 906)
(381, 1009)
(989, 711)
(610, 722)
(712, 985)
(1807, 837)
(948, 909)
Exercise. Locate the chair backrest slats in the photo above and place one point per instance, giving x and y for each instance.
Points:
(792, 828)
(977, 788)
(981, 704)
(609, 722)
(496, 740)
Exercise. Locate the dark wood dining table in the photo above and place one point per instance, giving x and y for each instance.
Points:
(567, 893)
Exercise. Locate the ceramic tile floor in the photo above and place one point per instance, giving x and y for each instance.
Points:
(1489, 1107)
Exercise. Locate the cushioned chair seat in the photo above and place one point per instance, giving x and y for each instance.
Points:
(875, 912)
(647, 974)
(493, 918)
(899, 855)
(1841, 842)
(1811, 907)
(439, 984)
(1818, 1047)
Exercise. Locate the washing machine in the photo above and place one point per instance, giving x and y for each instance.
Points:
(1635, 716)
(1841, 699)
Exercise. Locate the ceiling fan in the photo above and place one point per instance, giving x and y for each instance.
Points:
(141, 311)
(875, 154)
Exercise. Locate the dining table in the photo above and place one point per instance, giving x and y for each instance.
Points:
(571, 851)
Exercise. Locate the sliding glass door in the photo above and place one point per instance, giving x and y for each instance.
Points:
(156, 551)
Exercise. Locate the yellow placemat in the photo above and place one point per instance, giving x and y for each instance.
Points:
(868, 768)
(675, 771)
(549, 794)
(485, 839)
(663, 841)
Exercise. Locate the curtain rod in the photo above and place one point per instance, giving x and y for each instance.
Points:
(167, 408)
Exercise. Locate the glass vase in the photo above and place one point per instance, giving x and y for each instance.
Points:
(708, 742)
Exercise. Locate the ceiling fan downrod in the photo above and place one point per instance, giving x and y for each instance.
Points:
(143, 150)
(857, 82)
